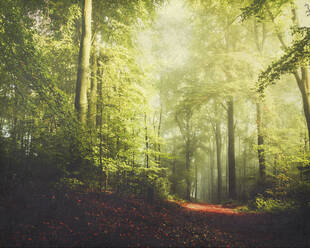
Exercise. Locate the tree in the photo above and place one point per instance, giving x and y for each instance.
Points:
(83, 64)
(186, 129)
(260, 43)
(260, 142)
(92, 112)
(296, 57)
(218, 140)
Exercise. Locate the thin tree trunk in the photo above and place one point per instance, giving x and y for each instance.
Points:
(99, 122)
(231, 151)
(204, 182)
(93, 93)
(244, 181)
(209, 176)
(212, 171)
(83, 65)
(196, 180)
(146, 143)
(187, 165)
(174, 183)
(227, 168)
(158, 135)
(260, 142)
(218, 140)
(133, 152)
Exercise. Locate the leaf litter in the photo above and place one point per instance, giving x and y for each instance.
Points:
(76, 219)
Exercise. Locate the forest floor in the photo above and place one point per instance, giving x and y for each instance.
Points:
(87, 219)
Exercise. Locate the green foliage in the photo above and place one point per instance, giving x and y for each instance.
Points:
(41, 142)
(297, 55)
(161, 116)
(140, 181)
(260, 8)
(272, 205)
(300, 193)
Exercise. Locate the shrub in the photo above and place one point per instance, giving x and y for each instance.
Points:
(272, 205)
(300, 193)
(144, 182)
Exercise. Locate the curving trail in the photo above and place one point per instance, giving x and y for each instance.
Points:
(242, 229)
(211, 208)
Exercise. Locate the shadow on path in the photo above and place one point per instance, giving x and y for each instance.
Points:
(86, 219)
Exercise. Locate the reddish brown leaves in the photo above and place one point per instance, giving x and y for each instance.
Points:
(93, 219)
(209, 208)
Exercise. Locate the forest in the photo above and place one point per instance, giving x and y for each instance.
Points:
(154, 123)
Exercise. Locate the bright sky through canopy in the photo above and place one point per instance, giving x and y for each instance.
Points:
(170, 40)
(304, 19)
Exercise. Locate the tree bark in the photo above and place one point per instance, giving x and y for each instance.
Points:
(83, 65)
(146, 142)
(158, 135)
(212, 159)
(187, 165)
(186, 133)
(196, 181)
(174, 183)
(260, 142)
(304, 87)
(93, 93)
(244, 181)
(231, 150)
(218, 140)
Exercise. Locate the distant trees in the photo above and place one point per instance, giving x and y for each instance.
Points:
(296, 57)
(95, 94)
(184, 117)
(221, 68)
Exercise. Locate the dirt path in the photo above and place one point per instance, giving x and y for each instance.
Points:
(211, 208)
(108, 220)
(250, 229)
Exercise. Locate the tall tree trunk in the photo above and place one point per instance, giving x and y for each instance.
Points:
(260, 142)
(186, 133)
(218, 140)
(99, 123)
(83, 65)
(303, 79)
(187, 165)
(303, 83)
(174, 182)
(225, 160)
(244, 181)
(212, 171)
(231, 150)
(244, 166)
(196, 180)
(93, 93)
(173, 177)
(205, 181)
(133, 152)
(209, 177)
(146, 143)
(158, 135)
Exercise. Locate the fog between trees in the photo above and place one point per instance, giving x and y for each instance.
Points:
(198, 100)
